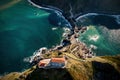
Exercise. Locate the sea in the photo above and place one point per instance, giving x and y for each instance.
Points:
(25, 28)
(103, 33)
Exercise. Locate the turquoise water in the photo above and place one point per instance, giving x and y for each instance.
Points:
(107, 32)
(23, 29)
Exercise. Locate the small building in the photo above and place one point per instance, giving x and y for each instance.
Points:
(57, 62)
(52, 63)
(43, 63)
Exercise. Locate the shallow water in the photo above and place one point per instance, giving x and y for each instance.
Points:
(107, 31)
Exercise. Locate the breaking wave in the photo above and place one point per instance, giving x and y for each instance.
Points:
(36, 53)
(94, 37)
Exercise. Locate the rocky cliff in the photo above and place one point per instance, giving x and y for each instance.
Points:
(71, 9)
(97, 68)
(78, 66)
(82, 6)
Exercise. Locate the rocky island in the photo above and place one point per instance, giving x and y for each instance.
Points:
(72, 59)
(95, 68)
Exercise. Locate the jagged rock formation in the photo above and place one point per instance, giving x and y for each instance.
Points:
(82, 6)
(72, 9)
(76, 68)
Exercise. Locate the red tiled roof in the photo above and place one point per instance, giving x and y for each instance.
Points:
(41, 64)
(58, 60)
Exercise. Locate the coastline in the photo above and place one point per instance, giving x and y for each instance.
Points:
(50, 8)
(96, 12)
(75, 17)
(69, 36)
(60, 12)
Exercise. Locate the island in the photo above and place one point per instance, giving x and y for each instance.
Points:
(72, 59)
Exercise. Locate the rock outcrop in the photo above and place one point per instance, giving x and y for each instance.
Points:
(82, 6)
(97, 68)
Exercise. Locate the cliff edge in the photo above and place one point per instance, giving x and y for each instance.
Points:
(96, 68)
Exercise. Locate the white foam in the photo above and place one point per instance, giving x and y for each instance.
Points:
(37, 15)
(117, 18)
(55, 28)
(93, 46)
(94, 38)
(66, 29)
(88, 28)
(36, 53)
(27, 59)
(94, 14)
(64, 35)
(88, 14)
(46, 8)
(39, 6)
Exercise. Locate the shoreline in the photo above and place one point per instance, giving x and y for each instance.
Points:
(50, 8)
(69, 36)
(72, 31)
(68, 41)
(96, 12)
(76, 17)
(47, 7)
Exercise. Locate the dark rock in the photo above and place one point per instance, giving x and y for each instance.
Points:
(49, 74)
(65, 42)
(84, 6)
(105, 71)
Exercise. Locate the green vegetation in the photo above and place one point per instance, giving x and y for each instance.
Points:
(97, 68)
(107, 67)
(76, 69)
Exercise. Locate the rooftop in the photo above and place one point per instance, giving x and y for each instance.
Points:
(58, 60)
(44, 62)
